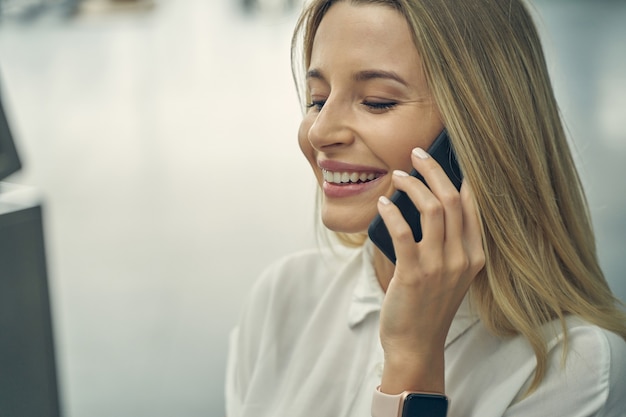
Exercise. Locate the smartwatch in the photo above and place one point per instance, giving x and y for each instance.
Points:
(409, 404)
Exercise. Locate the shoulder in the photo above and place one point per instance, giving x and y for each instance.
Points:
(598, 356)
(281, 302)
(293, 284)
(310, 261)
(591, 344)
(268, 305)
(586, 373)
(584, 376)
(309, 271)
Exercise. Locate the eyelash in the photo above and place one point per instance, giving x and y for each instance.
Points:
(380, 106)
(371, 105)
(316, 103)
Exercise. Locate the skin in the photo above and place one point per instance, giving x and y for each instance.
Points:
(371, 107)
(347, 128)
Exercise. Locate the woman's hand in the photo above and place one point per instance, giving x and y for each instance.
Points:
(431, 277)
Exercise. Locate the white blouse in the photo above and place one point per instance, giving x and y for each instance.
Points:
(307, 345)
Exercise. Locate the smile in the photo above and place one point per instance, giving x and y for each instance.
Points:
(348, 177)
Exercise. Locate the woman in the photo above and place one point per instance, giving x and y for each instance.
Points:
(502, 306)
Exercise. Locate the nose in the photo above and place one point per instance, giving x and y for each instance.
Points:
(331, 127)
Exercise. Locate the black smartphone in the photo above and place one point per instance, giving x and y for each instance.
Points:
(442, 152)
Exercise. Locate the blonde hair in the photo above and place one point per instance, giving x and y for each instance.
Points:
(485, 66)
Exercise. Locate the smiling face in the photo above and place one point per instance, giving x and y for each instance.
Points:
(369, 106)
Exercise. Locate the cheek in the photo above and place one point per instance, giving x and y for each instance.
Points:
(401, 158)
(405, 137)
(305, 145)
(303, 141)
(394, 150)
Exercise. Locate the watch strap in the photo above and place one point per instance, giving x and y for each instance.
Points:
(416, 404)
(387, 405)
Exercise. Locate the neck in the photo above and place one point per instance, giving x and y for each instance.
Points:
(384, 268)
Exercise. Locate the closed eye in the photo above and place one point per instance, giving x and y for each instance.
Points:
(380, 106)
(371, 105)
(316, 104)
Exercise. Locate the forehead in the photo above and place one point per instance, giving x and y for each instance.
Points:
(364, 34)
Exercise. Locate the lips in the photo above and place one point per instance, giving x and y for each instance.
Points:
(346, 180)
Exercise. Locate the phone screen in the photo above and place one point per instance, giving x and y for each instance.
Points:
(442, 152)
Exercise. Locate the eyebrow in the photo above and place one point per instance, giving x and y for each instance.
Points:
(378, 74)
(361, 76)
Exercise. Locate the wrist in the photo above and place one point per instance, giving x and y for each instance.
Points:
(418, 374)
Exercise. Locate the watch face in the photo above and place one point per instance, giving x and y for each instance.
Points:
(425, 405)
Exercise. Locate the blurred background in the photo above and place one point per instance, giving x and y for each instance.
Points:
(162, 137)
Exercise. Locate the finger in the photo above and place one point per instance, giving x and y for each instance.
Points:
(430, 208)
(399, 230)
(447, 194)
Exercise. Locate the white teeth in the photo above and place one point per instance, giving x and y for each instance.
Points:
(348, 177)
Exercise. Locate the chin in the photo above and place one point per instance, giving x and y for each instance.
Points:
(348, 237)
(346, 224)
(343, 229)
(344, 216)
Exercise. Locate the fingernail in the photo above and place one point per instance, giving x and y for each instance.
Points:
(384, 200)
(420, 153)
(400, 173)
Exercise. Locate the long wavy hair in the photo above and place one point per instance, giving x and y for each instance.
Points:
(486, 70)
